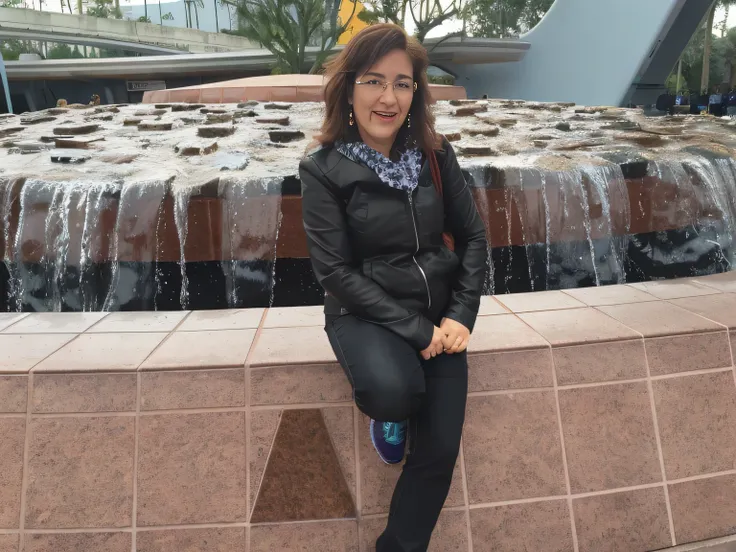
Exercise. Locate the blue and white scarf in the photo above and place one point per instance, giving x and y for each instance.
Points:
(402, 174)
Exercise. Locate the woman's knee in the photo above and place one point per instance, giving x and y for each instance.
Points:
(390, 398)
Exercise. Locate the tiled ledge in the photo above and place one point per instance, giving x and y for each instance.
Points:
(598, 419)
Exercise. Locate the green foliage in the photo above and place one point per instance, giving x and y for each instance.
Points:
(12, 49)
(441, 79)
(105, 9)
(168, 17)
(722, 61)
(287, 27)
(426, 14)
(11, 3)
(502, 18)
(60, 51)
(144, 19)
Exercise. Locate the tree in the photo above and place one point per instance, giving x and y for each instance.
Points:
(426, 14)
(105, 9)
(502, 18)
(707, 48)
(11, 3)
(286, 27)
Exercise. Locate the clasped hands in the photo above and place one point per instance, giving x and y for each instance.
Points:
(451, 337)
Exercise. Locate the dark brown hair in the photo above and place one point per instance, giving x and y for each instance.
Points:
(361, 53)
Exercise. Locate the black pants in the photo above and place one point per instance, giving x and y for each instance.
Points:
(392, 383)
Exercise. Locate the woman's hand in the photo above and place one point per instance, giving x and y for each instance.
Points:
(455, 336)
(436, 346)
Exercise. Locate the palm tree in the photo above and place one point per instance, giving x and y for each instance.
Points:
(708, 45)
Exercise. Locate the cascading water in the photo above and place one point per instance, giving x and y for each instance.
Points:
(654, 200)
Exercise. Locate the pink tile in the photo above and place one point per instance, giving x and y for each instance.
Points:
(299, 384)
(211, 349)
(13, 431)
(280, 346)
(659, 318)
(674, 289)
(725, 281)
(609, 295)
(575, 326)
(139, 321)
(538, 301)
(504, 332)
(7, 319)
(582, 363)
(230, 319)
(106, 352)
(510, 370)
(77, 542)
(718, 308)
(683, 353)
(489, 305)
(322, 536)
(9, 542)
(20, 353)
(56, 322)
(292, 317)
(13, 394)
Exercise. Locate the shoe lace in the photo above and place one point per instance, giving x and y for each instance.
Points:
(393, 433)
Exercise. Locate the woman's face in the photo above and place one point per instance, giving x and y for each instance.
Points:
(380, 113)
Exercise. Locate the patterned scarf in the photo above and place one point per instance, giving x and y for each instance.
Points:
(402, 174)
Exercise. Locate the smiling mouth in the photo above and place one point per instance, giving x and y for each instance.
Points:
(385, 115)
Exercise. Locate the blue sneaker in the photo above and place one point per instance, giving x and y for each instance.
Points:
(389, 440)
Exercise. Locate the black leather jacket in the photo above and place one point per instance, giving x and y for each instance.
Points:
(378, 251)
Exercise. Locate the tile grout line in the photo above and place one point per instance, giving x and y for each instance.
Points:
(161, 343)
(733, 361)
(566, 469)
(658, 439)
(466, 496)
(701, 476)
(136, 447)
(558, 411)
(358, 486)
(26, 462)
(248, 418)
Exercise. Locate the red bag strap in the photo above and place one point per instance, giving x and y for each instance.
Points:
(434, 167)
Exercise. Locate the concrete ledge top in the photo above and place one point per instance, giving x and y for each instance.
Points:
(131, 341)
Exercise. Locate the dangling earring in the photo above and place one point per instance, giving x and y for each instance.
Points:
(408, 121)
(351, 122)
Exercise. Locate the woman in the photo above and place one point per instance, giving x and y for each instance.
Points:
(399, 304)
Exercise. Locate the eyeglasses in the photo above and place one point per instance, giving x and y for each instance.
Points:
(377, 86)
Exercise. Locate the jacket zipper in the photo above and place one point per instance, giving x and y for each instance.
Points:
(414, 258)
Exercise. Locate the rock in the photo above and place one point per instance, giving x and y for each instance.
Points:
(119, 159)
(214, 131)
(31, 147)
(103, 117)
(186, 107)
(565, 104)
(241, 113)
(278, 105)
(75, 143)
(475, 151)
(540, 143)
(213, 110)
(193, 120)
(453, 136)
(149, 112)
(196, 148)
(163, 106)
(50, 139)
(76, 130)
(613, 113)
(231, 160)
(155, 125)
(643, 139)
(283, 121)
(621, 125)
(4, 132)
(107, 109)
(544, 106)
(68, 157)
(249, 103)
(543, 137)
(589, 110)
(285, 136)
(670, 130)
(564, 126)
(57, 111)
(462, 102)
(505, 122)
(489, 131)
(214, 118)
(36, 119)
(132, 121)
(577, 144)
(470, 110)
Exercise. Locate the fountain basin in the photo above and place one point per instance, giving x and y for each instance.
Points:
(204, 211)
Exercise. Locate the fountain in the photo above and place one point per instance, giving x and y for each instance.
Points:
(190, 206)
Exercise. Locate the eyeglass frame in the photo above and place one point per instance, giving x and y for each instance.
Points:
(386, 83)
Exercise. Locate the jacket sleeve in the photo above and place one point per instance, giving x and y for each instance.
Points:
(329, 249)
(471, 247)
